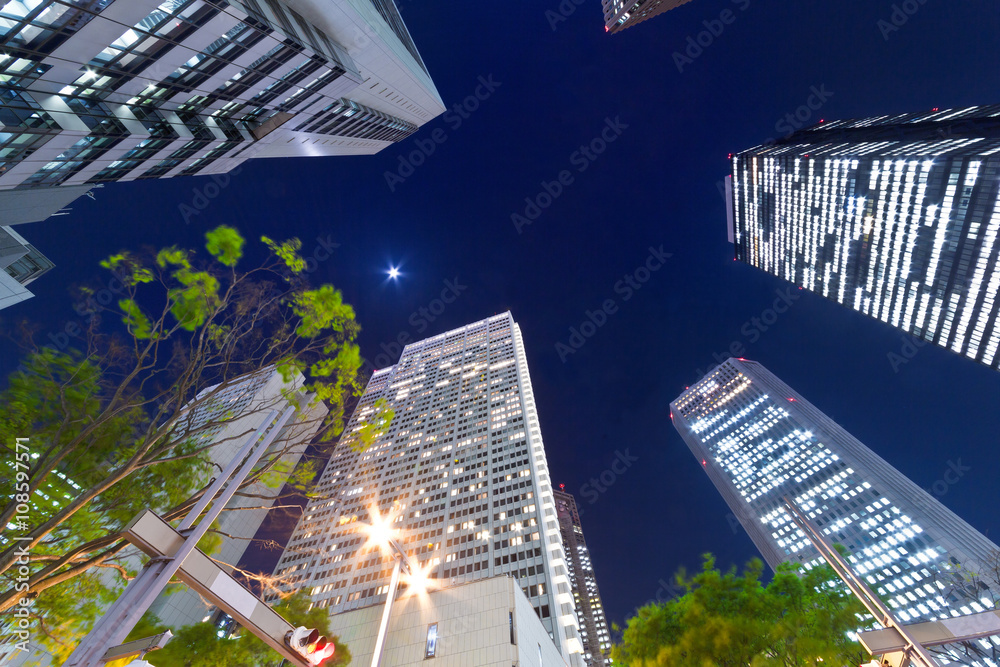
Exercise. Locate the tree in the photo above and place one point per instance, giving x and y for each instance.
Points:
(975, 587)
(730, 620)
(199, 645)
(127, 422)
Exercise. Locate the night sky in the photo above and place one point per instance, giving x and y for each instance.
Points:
(654, 186)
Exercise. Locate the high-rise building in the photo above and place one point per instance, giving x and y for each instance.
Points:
(227, 416)
(21, 263)
(97, 90)
(621, 14)
(226, 419)
(462, 469)
(760, 441)
(896, 217)
(594, 633)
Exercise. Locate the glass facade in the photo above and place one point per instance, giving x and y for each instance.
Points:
(181, 87)
(594, 633)
(896, 217)
(760, 441)
(621, 14)
(21, 263)
(463, 471)
(19, 259)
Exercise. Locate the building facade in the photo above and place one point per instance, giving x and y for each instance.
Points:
(103, 90)
(462, 469)
(486, 623)
(896, 217)
(227, 419)
(621, 14)
(21, 263)
(228, 415)
(760, 441)
(594, 634)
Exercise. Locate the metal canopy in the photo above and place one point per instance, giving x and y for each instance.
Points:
(933, 633)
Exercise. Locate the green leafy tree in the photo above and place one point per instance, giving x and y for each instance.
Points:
(199, 645)
(734, 620)
(128, 421)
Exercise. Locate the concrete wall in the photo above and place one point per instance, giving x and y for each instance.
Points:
(473, 628)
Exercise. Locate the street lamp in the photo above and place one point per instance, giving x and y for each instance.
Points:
(381, 535)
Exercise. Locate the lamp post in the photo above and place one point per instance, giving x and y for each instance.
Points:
(380, 534)
(400, 558)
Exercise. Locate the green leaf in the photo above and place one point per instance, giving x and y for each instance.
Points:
(193, 303)
(225, 244)
(136, 320)
(114, 261)
(173, 256)
(320, 310)
(287, 252)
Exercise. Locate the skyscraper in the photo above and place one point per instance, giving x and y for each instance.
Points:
(462, 469)
(98, 90)
(226, 416)
(226, 419)
(759, 441)
(21, 263)
(589, 610)
(621, 14)
(896, 217)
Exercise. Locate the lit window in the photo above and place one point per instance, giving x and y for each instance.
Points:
(432, 639)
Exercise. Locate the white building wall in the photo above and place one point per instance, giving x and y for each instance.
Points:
(11, 291)
(473, 629)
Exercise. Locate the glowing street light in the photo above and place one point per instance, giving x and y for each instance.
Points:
(419, 583)
(380, 532)
(393, 272)
(382, 535)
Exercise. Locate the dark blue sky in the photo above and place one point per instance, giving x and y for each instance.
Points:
(654, 185)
